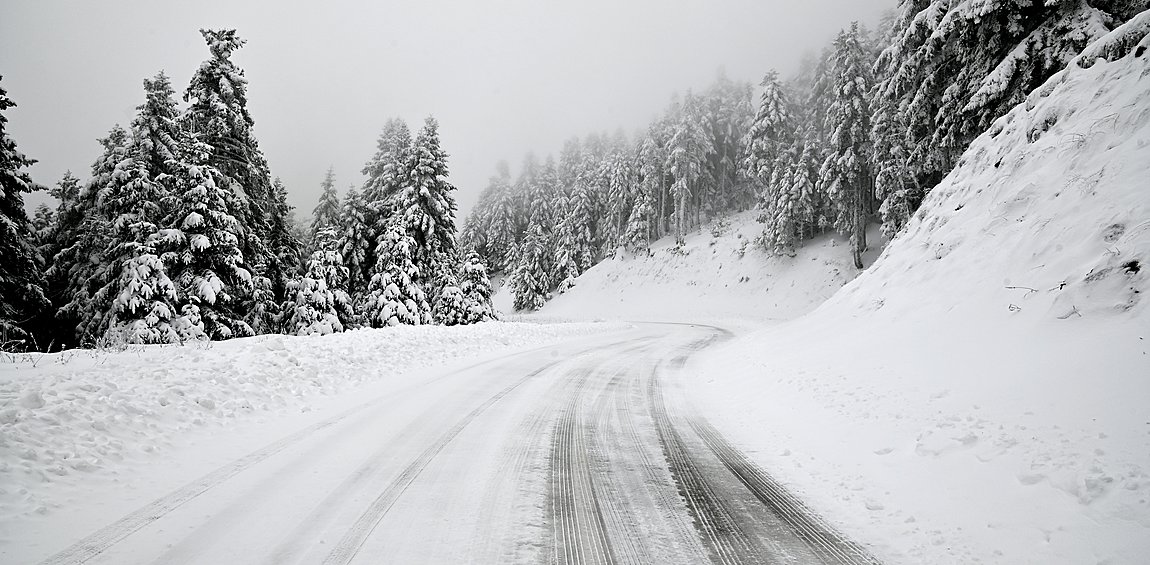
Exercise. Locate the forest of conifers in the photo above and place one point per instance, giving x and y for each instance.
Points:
(181, 232)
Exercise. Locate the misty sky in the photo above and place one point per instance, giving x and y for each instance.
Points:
(502, 76)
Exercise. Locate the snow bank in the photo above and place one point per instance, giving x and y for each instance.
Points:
(982, 393)
(718, 273)
(66, 416)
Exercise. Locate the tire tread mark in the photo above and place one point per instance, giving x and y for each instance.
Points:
(576, 511)
(627, 540)
(722, 535)
(104, 538)
(625, 407)
(808, 526)
(349, 545)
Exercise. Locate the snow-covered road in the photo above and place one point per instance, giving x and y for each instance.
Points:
(584, 452)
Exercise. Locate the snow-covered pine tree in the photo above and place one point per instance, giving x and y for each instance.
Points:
(386, 173)
(476, 289)
(200, 245)
(652, 170)
(896, 187)
(637, 237)
(21, 270)
(394, 294)
(528, 283)
(78, 268)
(285, 247)
(218, 114)
(43, 218)
(144, 310)
(572, 240)
(449, 309)
(952, 68)
(354, 243)
(845, 174)
(621, 177)
(317, 302)
(132, 203)
(804, 184)
(687, 153)
(780, 235)
(770, 135)
(426, 205)
(326, 212)
(61, 233)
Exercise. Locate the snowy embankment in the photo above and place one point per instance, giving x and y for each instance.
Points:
(718, 274)
(982, 393)
(73, 418)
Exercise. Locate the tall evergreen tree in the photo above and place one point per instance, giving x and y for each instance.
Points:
(529, 281)
(770, 136)
(21, 271)
(427, 208)
(218, 114)
(141, 296)
(326, 213)
(285, 247)
(845, 174)
(318, 303)
(688, 150)
(78, 266)
(952, 68)
(201, 246)
(476, 289)
(62, 233)
(395, 295)
(354, 242)
(386, 173)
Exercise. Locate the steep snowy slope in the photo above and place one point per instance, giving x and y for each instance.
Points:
(982, 393)
(719, 273)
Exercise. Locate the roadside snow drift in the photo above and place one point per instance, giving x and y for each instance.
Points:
(982, 393)
(68, 419)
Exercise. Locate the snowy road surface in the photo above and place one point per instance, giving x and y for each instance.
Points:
(584, 452)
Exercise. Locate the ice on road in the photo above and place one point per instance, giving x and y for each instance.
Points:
(583, 452)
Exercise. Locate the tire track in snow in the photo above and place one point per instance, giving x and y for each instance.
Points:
(348, 546)
(578, 532)
(101, 540)
(575, 509)
(722, 535)
(632, 407)
(104, 538)
(625, 536)
(823, 543)
(831, 546)
(511, 478)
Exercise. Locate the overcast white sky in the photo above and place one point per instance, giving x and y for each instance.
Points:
(502, 76)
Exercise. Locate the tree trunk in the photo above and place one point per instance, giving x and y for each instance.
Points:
(858, 239)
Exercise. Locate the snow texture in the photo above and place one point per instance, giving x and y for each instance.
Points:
(76, 422)
(979, 395)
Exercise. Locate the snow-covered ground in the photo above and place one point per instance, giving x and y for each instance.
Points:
(718, 274)
(80, 422)
(982, 393)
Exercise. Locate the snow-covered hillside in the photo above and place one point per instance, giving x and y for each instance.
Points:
(719, 273)
(979, 395)
(982, 393)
